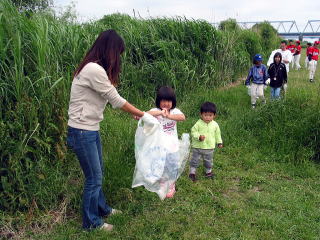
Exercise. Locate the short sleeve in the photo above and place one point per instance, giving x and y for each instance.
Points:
(176, 111)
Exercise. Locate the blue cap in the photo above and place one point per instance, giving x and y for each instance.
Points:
(257, 57)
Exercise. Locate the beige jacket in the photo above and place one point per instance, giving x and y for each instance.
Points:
(90, 92)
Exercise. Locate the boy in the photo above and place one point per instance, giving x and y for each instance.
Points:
(258, 75)
(205, 134)
(286, 55)
(308, 51)
(291, 47)
(296, 56)
(313, 60)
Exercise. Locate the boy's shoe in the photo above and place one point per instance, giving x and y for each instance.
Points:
(172, 191)
(192, 176)
(209, 175)
(311, 80)
(106, 227)
(253, 106)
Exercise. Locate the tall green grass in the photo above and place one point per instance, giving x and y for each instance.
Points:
(38, 54)
(256, 194)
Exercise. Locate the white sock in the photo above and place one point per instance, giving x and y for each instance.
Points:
(193, 170)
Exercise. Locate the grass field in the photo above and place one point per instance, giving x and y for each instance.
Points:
(259, 192)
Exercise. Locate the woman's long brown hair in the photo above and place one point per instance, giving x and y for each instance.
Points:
(106, 52)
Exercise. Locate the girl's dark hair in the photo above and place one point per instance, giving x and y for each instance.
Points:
(105, 51)
(277, 54)
(166, 93)
(208, 107)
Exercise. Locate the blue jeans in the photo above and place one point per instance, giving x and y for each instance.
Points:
(87, 146)
(275, 93)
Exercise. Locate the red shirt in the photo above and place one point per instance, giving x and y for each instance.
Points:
(298, 50)
(315, 53)
(291, 48)
(309, 50)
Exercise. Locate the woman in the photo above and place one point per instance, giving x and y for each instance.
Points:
(92, 88)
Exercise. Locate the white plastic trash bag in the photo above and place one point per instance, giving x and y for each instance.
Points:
(184, 149)
(249, 89)
(160, 158)
(268, 81)
(285, 87)
(150, 155)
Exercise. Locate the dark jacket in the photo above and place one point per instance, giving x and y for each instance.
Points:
(277, 74)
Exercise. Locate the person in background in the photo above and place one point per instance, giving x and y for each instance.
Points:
(286, 59)
(296, 56)
(258, 76)
(308, 51)
(313, 58)
(205, 136)
(285, 53)
(278, 76)
(93, 86)
(291, 47)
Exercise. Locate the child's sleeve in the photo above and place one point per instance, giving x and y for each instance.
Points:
(176, 111)
(285, 75)
(218, 135)
(195, 132)
(266, 75)
(249, 77)
(269, 71)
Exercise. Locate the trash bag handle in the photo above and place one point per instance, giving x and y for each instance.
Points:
(148, 133)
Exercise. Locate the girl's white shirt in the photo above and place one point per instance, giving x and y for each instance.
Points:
(168, 126)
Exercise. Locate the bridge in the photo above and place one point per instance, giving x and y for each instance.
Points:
(289, 29)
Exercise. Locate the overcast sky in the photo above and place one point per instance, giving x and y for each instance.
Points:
(209, 10)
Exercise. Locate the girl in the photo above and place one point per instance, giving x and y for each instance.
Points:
(93, 86)
(278, 75)
(258, 74)
(168, 115)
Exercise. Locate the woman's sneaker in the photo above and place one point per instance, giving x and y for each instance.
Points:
(172, 191)
(106, 227)
(114, 212)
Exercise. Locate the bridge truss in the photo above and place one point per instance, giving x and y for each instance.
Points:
(288, 29)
